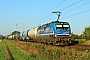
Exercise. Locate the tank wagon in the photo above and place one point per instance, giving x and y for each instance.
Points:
(11, 37)
(14, 37)
(56, 33)
(32, 33)
(23, 36)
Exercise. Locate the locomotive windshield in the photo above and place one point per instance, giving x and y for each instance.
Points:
(62, 27)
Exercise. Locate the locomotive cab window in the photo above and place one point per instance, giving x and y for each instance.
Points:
(66, 27)
(62, 27)
(59, 27)
(49, 30)
(41, 31)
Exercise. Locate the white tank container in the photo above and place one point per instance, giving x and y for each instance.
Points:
(32, 33)
(10, 37)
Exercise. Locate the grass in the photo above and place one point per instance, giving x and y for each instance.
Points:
(16, 53)
(39, 51)
(2, 53)
(81, 41)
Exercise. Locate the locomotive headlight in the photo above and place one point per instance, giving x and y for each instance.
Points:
(55, 35)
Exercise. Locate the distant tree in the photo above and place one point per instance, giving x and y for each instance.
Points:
(80, 36)
(86, 33)
(74, 36)
(2, 37)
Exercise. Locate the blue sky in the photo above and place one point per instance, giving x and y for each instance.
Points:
(31, 13)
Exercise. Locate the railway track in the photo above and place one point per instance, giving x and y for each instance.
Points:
(82, 47)
(77, 47)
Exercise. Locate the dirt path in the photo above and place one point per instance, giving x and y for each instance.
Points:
(8, 53)
(0, 40)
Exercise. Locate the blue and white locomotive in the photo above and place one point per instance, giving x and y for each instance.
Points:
(55, 33)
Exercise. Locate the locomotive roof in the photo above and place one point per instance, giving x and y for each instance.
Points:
(59, 22)
(54, 22)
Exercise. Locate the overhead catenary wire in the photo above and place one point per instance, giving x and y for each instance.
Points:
(70, 5)
(76, 14)
(62, 9)
(51, 10)
(54, 7)
(47, 12)
(77, 8)
(59, 10)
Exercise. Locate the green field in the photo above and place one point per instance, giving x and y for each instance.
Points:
(2, 53)
(9, 51)
(13, 50)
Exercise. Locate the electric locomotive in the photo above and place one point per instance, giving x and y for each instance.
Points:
(57, 33)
